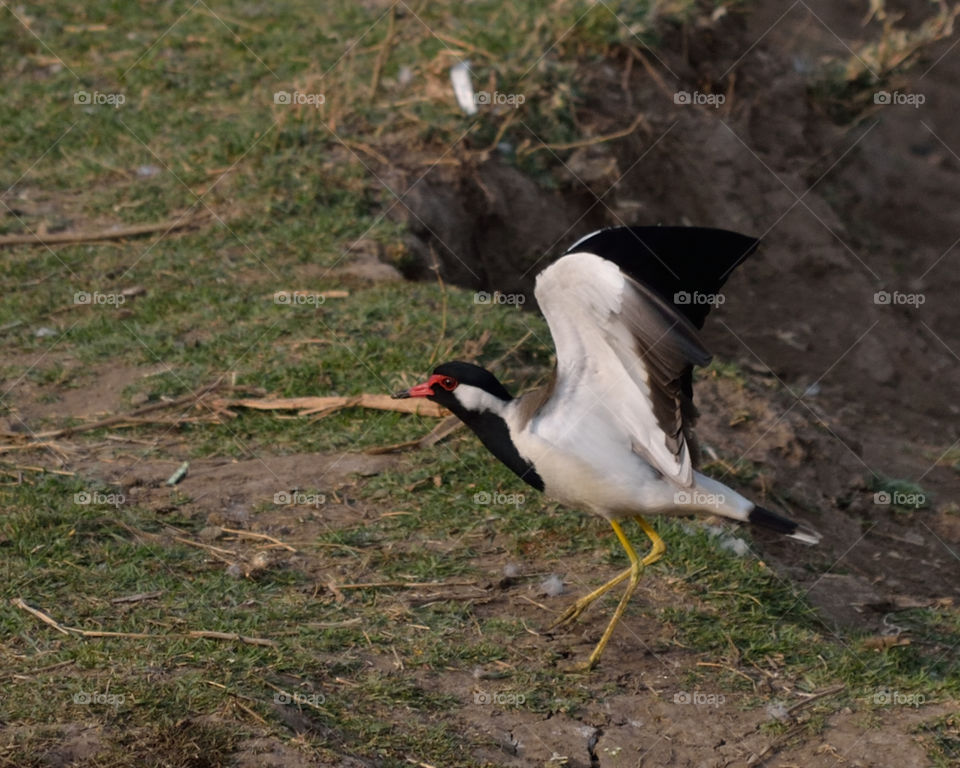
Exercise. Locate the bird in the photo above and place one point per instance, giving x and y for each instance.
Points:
(611, 430)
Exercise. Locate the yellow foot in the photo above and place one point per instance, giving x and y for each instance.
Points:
(573, 612)
(632, 573)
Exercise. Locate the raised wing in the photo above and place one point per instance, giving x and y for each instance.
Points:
(622, 355)
(674, 262)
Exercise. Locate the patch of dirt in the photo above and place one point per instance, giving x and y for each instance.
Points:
(653, 719)
(269, 752)
(92, 393)
(228, 489)
(76, 743)
(483, 225)
(809, 465)
(45, 211)
(644, 728)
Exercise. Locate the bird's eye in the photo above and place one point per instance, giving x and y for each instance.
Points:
(448, 383)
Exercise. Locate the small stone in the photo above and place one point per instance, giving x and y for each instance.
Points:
(210, 533)
(914, 538)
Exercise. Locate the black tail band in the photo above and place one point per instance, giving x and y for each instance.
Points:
(767, 519)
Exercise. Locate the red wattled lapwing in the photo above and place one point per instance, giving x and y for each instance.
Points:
(611, 431)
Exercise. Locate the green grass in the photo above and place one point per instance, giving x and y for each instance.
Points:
(942, 740)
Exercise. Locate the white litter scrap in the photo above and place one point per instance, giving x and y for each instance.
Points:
(726, 542)
(463, 87)
(552, 585)
(778, 711)
(736, 545)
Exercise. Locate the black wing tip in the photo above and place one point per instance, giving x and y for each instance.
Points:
(672, 261)
(774, 522)
(746, 244)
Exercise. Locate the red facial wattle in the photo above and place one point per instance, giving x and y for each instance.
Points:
(422, 390)
(427, 388)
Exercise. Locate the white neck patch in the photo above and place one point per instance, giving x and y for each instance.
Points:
(476, 399)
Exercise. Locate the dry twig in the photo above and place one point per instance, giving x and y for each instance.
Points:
(325, 405)
(384, 51)
(407, 584)
(262, 536)
(117, 233)
(637, 122)
(138, 598)
(18, 602)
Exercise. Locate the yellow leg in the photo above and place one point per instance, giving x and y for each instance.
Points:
(573, 612)
(633, 573)
(635, 568)
(658, 548)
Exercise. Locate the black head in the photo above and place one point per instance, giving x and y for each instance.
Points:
(476, 397)
(460, 387)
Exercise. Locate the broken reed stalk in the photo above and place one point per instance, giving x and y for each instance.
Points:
(206, 634)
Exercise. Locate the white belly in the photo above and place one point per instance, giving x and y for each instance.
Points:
(601, 473)
(619, 484)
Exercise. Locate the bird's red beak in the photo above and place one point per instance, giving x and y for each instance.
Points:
(421, 390)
